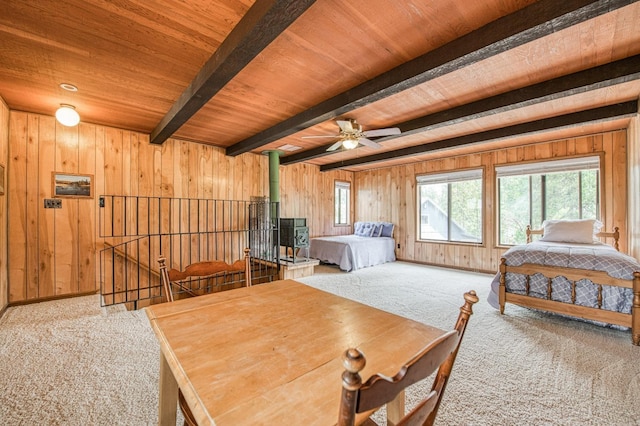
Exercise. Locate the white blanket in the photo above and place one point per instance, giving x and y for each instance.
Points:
(351, 252)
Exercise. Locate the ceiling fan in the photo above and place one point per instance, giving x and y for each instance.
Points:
(351, 135)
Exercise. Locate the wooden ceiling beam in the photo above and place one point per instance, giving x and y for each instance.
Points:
(607, 75)
(523, 26)
(606, 113)
(262, 23)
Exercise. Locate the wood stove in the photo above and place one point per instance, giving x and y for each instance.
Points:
(294, 235)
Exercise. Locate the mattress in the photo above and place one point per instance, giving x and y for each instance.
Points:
(352, 252)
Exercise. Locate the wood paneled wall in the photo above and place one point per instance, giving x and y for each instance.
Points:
(305, 192)
(4, 156)
(633, 137)
(390, 194)
(54, 252)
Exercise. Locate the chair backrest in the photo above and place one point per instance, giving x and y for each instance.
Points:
(201, 270)
(358, 397)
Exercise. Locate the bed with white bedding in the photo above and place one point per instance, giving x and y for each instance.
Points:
(589, 280)
(371, 244)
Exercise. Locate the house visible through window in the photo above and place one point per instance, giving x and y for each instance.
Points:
(450, 206)
(530, 193)
(341, 201)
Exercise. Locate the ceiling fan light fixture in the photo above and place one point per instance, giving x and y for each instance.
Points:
(350, 143)
(351, 135)
(67, 115)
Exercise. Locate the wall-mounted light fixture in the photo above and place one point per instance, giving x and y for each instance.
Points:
(67, 115)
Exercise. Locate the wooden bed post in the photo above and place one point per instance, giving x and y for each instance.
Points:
(616, 237)
(635, 310)
(502, 296)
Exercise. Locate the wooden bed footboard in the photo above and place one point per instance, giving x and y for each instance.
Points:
(599, 278)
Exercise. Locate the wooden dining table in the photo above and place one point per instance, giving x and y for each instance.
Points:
(272, 353)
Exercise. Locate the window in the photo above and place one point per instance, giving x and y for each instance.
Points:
(342, 202)
(450, 206)
(530, 193)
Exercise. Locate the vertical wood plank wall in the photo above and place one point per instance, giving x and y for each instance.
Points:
(305, 192)
(4, 156)
(54, 252)
(633, 138)
(390, 194)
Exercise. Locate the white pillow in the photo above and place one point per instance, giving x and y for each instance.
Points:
(364, 229)
(569, 231)
(597, 227)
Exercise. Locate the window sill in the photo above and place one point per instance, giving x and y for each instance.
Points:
(457, 243)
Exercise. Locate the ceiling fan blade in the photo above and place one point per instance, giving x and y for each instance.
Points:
(382, 132)
(369, 143)
(345, 125)
(335, 146)
(326, 136)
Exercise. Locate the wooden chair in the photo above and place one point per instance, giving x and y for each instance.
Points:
(201, 270)
(378, 390)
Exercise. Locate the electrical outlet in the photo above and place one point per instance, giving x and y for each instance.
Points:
(52, 203)
(398, 245)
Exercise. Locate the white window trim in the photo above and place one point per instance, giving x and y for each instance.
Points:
(342, 184)
(546, 167)
(449, 177)
(591, 162)
(346, 186)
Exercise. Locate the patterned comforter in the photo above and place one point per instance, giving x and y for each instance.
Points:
(597, 257)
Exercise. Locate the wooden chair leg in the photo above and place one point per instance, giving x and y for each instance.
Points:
(164, 277)
(247, 266)
(189, 420)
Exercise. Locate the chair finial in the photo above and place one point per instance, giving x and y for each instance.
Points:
(470, 298)
(353, 361)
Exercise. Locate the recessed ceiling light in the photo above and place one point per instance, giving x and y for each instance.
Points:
(69, 87)
(289, 147)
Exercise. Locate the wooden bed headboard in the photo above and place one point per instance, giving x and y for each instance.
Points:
(602, 234)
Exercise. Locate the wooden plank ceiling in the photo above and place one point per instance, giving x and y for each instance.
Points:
(254, 76)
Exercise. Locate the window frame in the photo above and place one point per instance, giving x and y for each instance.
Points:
(557, 165)
(342, 184)
(452, 176)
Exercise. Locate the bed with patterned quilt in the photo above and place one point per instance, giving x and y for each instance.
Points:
(568, 272)
(371, 244)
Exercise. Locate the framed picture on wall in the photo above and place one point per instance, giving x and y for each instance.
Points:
(71, 185)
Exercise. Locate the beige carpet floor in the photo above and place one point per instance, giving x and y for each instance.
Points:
(71, 362)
